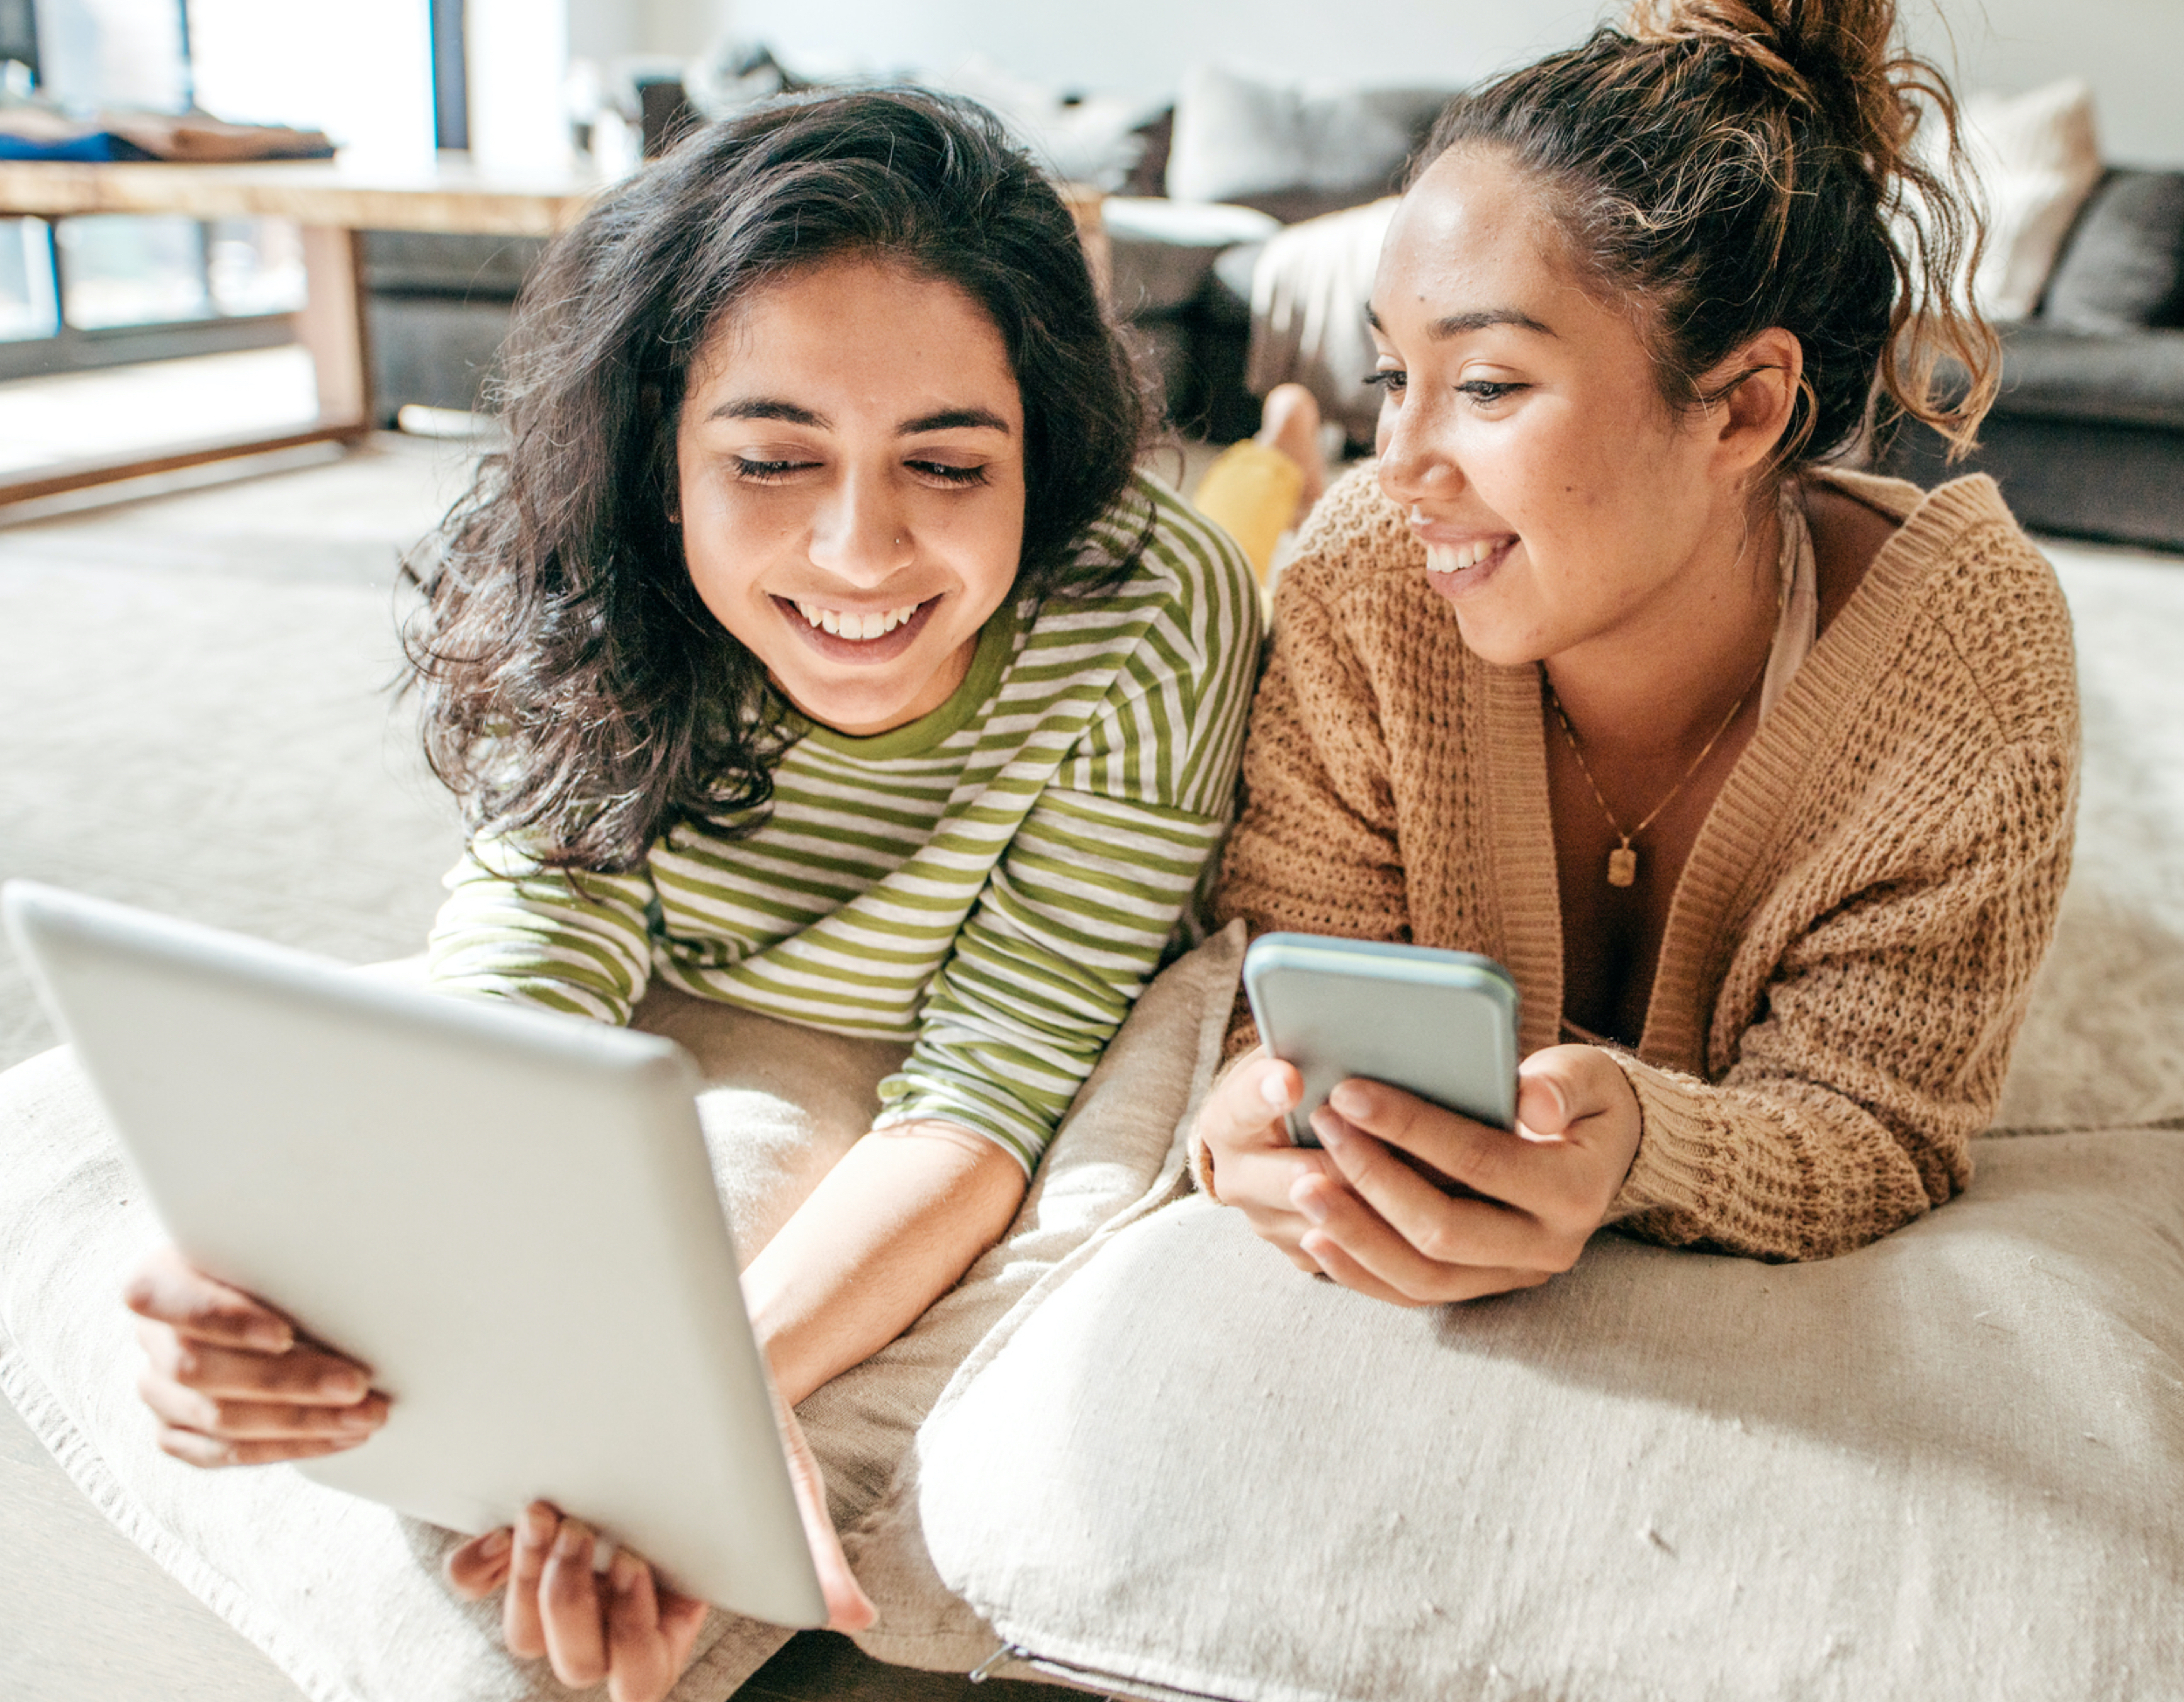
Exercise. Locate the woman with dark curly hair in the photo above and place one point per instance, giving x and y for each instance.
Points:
(1758, 773)
(814, 646)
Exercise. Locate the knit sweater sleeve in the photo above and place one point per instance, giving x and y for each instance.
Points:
(1882, 1043)
(1316, 849)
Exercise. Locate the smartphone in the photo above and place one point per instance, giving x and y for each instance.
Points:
(1441, 1025)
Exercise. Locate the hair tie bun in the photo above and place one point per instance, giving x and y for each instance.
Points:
(1731, 166)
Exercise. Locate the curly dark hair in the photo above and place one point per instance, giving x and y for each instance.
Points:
(1726, 166)
(574, 688)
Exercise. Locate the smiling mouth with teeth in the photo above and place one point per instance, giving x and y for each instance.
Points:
(1454, 557)
(849, 624)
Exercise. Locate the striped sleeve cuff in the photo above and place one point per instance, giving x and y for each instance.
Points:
(579, 944)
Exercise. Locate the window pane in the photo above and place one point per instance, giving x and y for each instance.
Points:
(121, 269)
(26, 281)
(255, 265)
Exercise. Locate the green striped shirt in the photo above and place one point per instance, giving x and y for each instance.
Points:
(993, 883)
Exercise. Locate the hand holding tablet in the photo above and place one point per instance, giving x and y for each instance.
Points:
(385, 1163)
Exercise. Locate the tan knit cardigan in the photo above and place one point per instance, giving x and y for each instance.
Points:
(1851, 945)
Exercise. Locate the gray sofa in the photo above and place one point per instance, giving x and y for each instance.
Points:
(439, 305)
(2086, 439)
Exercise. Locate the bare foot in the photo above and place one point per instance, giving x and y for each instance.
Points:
(1288, 423)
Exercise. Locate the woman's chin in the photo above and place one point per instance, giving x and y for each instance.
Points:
(857, 710)
(1496, 634)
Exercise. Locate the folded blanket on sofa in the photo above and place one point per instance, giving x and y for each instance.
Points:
(32, 133)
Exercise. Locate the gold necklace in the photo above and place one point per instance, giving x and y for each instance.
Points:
(1622, 862)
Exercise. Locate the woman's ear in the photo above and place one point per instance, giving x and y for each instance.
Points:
(1752, 397)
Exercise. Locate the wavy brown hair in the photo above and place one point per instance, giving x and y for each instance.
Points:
(576, 690)
(1727, 166)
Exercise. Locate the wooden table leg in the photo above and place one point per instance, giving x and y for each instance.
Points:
(332, 326)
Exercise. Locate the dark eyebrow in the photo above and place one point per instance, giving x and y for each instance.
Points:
(953, 419)
(1455, 324)
(766, 407)
(947, 419)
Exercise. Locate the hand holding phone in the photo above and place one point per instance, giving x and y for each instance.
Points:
(1441, 1025)
(1417, 1197)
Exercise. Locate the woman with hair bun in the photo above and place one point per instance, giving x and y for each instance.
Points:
(1757, 772)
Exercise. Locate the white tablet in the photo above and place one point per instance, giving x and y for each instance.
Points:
(509, 1216)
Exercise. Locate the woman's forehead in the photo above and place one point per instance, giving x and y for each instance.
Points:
(856, 312)
(1470, 238)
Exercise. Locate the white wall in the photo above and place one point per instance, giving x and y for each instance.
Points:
(1143, 46)
(119, 52)
(517, 54)
(360, 70)
(2131, 51)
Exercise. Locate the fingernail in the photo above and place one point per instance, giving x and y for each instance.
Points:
(571, 1542)
(1351, 1099)
(623, 1573)
(270, 1337)
(538, 1527)
(1333, 1132)
(344, 1386)
(492, 1547)
(1308, 1200)
(1273, 1092)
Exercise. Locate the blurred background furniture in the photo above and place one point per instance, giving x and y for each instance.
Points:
(2087, 438)
(329, 203)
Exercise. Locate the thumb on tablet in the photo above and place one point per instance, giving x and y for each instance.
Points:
(848, 1608)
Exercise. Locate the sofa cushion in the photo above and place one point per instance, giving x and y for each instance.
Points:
(1294, 155)
(2134, 378)
(1308, 289)
(1163, 250)
(2124, 269)
(1945, 1465)
(2036, 160)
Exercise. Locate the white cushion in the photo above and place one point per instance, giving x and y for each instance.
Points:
(1239, 139)
(344, 1595)
(2037, 159)
(1949, 1465)
(1309, 291)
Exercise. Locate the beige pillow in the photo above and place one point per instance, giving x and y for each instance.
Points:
(2037, 159)
(343, 1595)
(1947, 1465)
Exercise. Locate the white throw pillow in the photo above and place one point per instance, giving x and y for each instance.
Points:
(1947, 1466)
(2037, 158)
(1238, 139)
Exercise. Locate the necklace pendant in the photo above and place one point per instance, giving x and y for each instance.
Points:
(1622, 866)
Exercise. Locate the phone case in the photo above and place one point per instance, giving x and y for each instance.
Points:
(1438, 1024)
